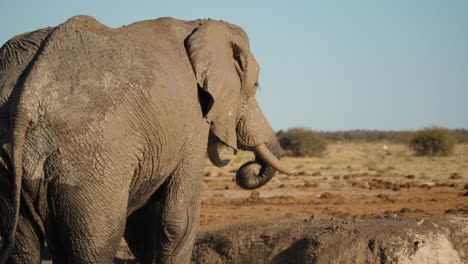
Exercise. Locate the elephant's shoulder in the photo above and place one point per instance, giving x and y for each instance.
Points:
(83, 23)
(163, 28)
(154, 23)
(77, 34)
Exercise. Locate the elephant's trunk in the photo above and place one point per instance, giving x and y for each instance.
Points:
(255, 174)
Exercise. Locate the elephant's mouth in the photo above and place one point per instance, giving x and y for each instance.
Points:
(252, 174)
(214, 151)
(261, 151)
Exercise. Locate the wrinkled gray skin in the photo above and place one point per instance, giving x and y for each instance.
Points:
(104, 133)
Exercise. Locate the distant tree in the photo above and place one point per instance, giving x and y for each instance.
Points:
(461, 135)
(301, 142)
(433, 141)
(403, 136)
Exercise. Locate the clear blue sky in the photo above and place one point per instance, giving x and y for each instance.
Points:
(328, 65)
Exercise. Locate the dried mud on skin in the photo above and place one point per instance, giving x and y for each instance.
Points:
(432, 240)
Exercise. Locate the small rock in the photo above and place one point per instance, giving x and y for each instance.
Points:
(316, 173)
(383, 196)
(289, 215)
(406, 210)
(265, 237)
(410, 184)
(388, 215)
(451, 211)
(211, 174)
(363, 184)
(410, 176)
(254, 194)
(425, 186)
(310, 184)
(455, 176)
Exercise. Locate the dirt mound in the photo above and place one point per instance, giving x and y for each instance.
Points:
(381, 240)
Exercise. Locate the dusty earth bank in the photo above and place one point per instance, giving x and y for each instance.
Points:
(383, 240)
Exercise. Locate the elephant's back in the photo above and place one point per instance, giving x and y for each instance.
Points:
(93, 86)
(87, 70)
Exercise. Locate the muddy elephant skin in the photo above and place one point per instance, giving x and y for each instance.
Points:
(104, 133)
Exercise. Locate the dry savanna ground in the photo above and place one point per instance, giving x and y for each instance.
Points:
(350, 181)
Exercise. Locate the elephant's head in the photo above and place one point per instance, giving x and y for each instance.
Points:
(227, 72)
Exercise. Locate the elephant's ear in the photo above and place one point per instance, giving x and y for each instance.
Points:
(217, 53)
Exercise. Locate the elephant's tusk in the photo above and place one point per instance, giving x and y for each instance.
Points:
(215, 158)
(265, 154)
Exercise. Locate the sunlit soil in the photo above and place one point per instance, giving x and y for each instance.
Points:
(351, 180)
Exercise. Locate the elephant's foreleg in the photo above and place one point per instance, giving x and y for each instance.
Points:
(140, 231)
(164, 230)
(180, 209)
(28, 242)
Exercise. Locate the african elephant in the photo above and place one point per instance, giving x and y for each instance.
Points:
(104, 133)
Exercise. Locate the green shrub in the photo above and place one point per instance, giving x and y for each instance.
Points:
(434, 141)
(461, 135)
(301, 142)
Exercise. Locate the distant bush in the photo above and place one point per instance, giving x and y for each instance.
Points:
(301, 142)
(434, 141)
(402, 137)
(364, 135)
(461, 135)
